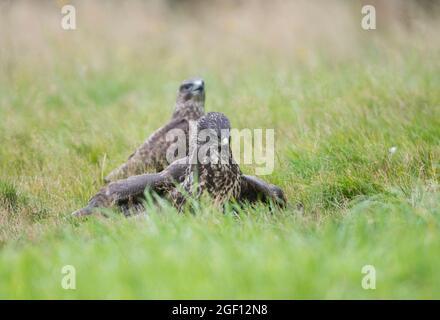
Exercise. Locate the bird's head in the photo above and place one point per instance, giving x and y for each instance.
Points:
(192, 90)
(190, 100)
(214, 138)
(214, 121)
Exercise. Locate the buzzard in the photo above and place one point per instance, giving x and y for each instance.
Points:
(213, 172)
(151, 155)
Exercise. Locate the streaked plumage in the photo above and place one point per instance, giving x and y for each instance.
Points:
(151, 155)
(222, 181)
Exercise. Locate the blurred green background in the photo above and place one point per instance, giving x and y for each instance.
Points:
(74, 104)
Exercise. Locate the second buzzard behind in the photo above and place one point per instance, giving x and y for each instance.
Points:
(151, 155)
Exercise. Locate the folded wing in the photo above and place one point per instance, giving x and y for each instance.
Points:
(151, 155)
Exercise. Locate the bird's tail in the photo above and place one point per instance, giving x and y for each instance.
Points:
(116, 173)
(132, 167)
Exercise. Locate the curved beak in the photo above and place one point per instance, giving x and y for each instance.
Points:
(198, 86)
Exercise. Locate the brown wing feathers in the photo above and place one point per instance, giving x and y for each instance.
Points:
(128, 193)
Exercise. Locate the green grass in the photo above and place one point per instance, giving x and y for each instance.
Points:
(255, 255)
(335, 119)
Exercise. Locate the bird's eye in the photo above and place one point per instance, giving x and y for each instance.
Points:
(185, 86)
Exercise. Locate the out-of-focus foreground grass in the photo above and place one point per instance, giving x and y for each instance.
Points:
(74, 104)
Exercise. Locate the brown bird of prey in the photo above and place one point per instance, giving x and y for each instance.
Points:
(209, 170)
(151, 155)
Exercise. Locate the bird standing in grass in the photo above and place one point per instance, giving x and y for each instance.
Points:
(212, 171)
(151, 155)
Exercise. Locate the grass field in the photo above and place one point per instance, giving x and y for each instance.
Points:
(74, 104)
